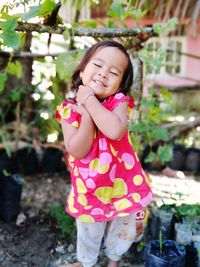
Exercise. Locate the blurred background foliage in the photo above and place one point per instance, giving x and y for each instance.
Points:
(36, 68)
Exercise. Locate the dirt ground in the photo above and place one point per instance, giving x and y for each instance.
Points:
(34, 242)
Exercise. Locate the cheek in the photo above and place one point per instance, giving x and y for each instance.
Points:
(81, 74)
(87, 73)
(116, 83)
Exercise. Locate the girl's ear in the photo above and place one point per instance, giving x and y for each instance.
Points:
(81, 74)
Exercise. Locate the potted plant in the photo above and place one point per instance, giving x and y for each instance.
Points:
(10, 189)
(161, 219)
(189, 216)
(187, 232)
(165, 253)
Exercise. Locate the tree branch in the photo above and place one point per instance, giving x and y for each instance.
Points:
(99, 32)
(23, 54)
(184, 128)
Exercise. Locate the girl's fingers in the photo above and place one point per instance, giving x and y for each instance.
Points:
(78, 108)
(71, 106)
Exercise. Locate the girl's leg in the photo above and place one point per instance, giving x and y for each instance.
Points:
(76, 264)
(112, 263)
(89, 237)
(120, 234)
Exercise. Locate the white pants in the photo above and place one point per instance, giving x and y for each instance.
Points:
(118, 234)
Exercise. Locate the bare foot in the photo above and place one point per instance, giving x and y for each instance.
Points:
(112, 263)
(75, 264)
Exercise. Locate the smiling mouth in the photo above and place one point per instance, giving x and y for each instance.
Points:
(99, 82)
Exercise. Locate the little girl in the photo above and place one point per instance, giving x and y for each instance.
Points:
(109, 188)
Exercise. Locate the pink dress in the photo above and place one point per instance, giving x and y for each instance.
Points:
(109, 181)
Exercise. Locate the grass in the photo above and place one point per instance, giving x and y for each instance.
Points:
(65, 224)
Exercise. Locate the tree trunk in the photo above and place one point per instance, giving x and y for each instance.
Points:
(27, 78)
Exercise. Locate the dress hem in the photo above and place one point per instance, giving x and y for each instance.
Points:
(100, 219)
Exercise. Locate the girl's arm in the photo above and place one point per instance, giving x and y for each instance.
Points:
(78, 141)
(111, 123)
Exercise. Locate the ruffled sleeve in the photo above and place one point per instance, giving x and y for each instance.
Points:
(118, 98)
(64, 111)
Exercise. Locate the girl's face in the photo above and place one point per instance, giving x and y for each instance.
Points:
(104, 71)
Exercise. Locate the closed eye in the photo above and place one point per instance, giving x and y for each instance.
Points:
(114, 73)
(99, 66)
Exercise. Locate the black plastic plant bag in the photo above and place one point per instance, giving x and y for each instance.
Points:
(161, 220)
(173, 255)
(154, 224)
(196, 245)
(166, 223)
(191, 257)
(51, 161)
(10, 196)
(7, 163)
(179, 155)
(27, 160)
(192, 160)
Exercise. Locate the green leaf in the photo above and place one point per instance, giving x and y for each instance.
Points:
(139, 128)
(166, 95)
(66, 35)
(150, 158)
(3, 78)
(89, 24)
(47, 7)
(160, 241)
(145, 55)
(5, 16)
(8, 25)
(171, 23)
(11, 39)
(157, 28)
(111, 24)
(165, 28)
(165, 153)
(151, 61)
(5, 9)
(148, 102)
(16, 95)
(159, 133)
(33, 12)
(15, 68)
(116, 10)
(65, 65)
(137, 14)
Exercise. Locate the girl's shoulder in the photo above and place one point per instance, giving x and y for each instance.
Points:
(64, 111)
(114, 100)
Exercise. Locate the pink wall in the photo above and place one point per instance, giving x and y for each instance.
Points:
(191, 67)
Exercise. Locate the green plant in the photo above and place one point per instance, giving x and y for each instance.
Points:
(160, 242)
(189, 211)
(65, 223)
(168, 207)
(149, 131)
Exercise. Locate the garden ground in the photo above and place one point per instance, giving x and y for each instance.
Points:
(33, 242)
